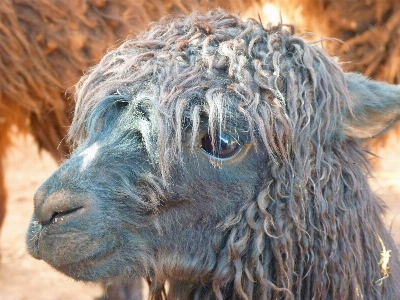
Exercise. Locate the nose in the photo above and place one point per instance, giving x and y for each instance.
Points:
(52, 206)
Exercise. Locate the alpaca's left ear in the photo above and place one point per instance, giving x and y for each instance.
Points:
(375, 108)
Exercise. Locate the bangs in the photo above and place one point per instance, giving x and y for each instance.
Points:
(219, 73)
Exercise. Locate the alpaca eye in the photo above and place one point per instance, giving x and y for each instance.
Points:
(224, 146)
(121, 104)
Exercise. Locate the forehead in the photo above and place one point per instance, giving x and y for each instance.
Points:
(176, 95)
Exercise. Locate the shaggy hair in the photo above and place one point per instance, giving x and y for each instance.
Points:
(367, 31)
(223, 157)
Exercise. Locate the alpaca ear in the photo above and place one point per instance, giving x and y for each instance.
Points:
(375, 107)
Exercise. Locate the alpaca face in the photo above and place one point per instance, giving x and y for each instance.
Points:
(225, 158)
(107, 212)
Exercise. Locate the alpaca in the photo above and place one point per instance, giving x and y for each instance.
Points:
(224, 158)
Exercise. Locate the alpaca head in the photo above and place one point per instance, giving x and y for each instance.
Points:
(224, 157)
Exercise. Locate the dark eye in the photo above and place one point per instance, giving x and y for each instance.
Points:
(224, 146)
(121, 104)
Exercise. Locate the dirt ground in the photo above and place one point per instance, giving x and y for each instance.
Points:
(22, 277)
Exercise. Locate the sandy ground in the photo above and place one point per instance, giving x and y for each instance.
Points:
(22, 277)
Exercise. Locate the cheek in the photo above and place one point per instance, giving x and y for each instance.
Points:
(201, 199)
(215, 186)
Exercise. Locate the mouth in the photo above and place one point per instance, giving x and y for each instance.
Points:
(51, 239)
(70, 251)
(82, 254)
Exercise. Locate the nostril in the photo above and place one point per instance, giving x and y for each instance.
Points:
(61, 215)
(59, 206)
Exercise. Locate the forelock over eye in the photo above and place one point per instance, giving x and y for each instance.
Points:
(224, 146)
